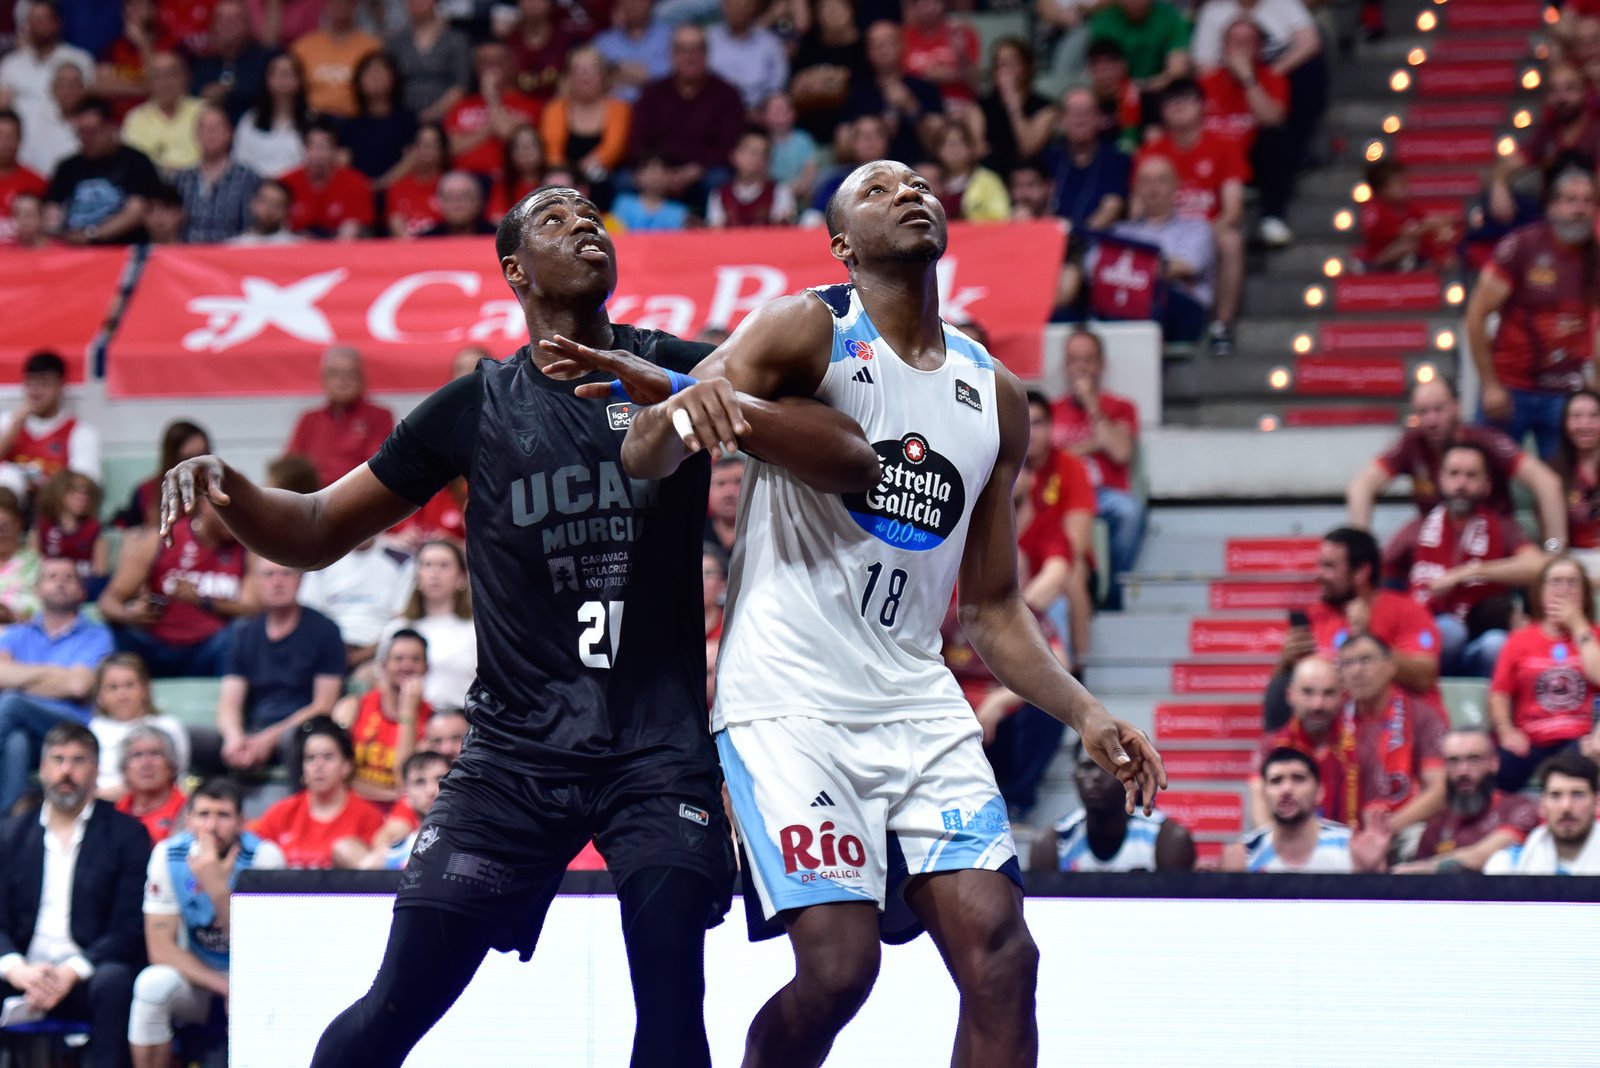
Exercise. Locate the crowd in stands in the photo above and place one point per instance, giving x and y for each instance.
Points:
(247, 123)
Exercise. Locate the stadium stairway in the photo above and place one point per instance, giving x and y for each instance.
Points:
(1189, 656)
(1321, 343)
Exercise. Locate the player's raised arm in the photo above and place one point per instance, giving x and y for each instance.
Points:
(752, 393)
(1002, 628)
(308, 531)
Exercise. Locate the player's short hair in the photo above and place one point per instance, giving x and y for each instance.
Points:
(220, 788)
(1284, 754)
(508, 235)
(1572, 764)
(421, 759)
(833, 211)
(1360, 549)
(72, 734)
(145, 732)
(45, 362)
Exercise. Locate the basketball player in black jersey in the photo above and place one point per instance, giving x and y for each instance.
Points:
(588, 717)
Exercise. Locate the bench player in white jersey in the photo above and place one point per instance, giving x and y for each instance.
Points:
(850, 754)
(1295, 839)
(1104, 836)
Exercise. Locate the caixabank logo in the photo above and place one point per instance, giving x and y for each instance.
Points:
(918, 500)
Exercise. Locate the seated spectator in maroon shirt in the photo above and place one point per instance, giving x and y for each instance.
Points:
(1349, 564)
(344, 433)
(1577, 465)
(1567, 134)
(1478, 820)
(691, 118)
(1541, 700)
(750, 197)
(329, 199)
(1462, 561)
(171, 603)
(461, 208)
(1435, 425)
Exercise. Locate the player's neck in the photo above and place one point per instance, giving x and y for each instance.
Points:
(1295, 842)
(1570, 850)
(903, 302)
(1108, 825)
(586, 325)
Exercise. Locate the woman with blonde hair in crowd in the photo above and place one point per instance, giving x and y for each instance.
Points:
(583, 127)
(440, 610)
(122, 703)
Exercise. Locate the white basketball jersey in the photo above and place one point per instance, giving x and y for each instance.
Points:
(1331, 855)
(834, 602)
(1137, 852)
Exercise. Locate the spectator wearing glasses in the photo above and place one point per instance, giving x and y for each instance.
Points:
(1479, 819)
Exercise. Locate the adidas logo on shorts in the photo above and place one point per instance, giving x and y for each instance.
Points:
(822, 799)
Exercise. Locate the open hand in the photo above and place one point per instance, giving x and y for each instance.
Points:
(645, 382)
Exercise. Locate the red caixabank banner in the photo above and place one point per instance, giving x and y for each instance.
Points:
(217, 320)
(55, 299)
(1208, 723)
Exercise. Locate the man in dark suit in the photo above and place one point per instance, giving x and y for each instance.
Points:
(71, 892)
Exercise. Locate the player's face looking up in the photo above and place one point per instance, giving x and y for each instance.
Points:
(887, 211)
(565, 250)
(1097, 788)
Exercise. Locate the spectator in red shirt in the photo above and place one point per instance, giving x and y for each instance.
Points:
(412, 200)
(941, 49)
(329, 198)
(1577, 465)
(1248, 100)
(1063, 506)
(341, 435)
(1389, 742)
(1417, 453)
(305, 825)
(1462, 561)
(1351, 604)
(26, 222)
(480, 124)
(1315, 700)
(1542, 698)
(1102, 429)
(14, 178)
(1211, 175)
(1544, 281)
(460, 208)
(1567, 134)
(1479, 820)
(1397, 234)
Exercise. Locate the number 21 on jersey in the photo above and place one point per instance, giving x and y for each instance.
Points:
(600, 619)
(895, 588)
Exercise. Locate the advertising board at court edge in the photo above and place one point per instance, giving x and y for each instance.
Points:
(224, 320)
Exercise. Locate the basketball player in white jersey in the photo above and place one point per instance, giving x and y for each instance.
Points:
(1295, 839)
(855, 766)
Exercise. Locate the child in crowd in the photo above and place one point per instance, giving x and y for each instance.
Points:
(67, 526)
(751, 197)
(1399, 235)
(794, 152)
(648, 209)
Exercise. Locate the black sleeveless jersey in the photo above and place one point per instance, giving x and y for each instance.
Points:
(586, 584)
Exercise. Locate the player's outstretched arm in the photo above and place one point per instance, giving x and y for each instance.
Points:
(307, 531)
(1004, 632)
(752, 393)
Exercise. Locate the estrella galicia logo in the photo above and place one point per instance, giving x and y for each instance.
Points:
(861, 350)
(965, 394)
(620, 415)
(918, 500)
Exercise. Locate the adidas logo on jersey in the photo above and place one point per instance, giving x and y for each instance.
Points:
(823, 800)
(862, 375)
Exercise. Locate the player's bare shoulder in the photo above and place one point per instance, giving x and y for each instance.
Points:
(783, 347)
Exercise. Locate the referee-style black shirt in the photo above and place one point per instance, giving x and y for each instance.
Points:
(585, 583)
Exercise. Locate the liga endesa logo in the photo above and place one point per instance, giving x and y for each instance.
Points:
(835, 856)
